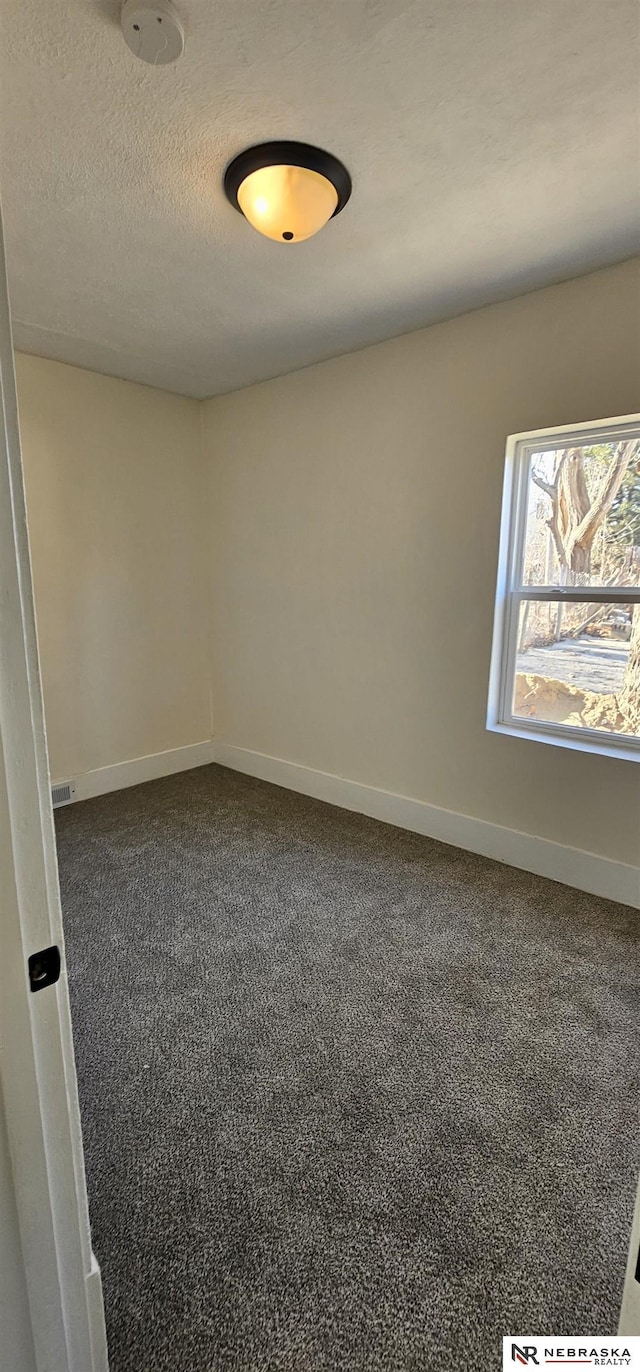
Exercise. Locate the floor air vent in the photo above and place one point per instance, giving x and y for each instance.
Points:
(62, 794)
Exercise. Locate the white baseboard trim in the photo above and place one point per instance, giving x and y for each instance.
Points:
(137, 769)
(587, 871)
(572, 866)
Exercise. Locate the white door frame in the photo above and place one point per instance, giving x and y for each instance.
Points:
(37, 1067)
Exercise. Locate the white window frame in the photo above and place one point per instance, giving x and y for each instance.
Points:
(511, 590)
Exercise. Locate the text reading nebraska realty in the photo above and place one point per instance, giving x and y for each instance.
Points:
(529, 1351)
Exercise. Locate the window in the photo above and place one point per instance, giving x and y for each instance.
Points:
(566, 647)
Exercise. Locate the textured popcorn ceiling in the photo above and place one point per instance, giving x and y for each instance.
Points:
(493, 146)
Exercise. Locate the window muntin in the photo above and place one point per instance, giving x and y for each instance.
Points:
(566, 652)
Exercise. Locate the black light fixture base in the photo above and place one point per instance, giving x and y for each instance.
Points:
(287, 154)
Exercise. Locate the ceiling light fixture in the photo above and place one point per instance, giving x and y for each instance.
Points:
(288, 191)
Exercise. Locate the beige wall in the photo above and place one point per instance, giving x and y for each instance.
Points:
(114, 502)
(353, 537)
(346, 520)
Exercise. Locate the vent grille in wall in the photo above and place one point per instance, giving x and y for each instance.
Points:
(62, 794)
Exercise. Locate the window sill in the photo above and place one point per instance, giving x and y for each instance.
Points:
(583, 741)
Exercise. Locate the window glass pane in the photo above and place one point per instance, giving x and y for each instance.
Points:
(583, 516)
(579, 665)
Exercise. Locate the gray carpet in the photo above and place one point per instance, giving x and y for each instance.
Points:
(352, 1099)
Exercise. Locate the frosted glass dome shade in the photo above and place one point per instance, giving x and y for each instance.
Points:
(287, 191)
(288, 204)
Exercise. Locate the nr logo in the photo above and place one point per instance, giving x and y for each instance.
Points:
(525, 1355)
